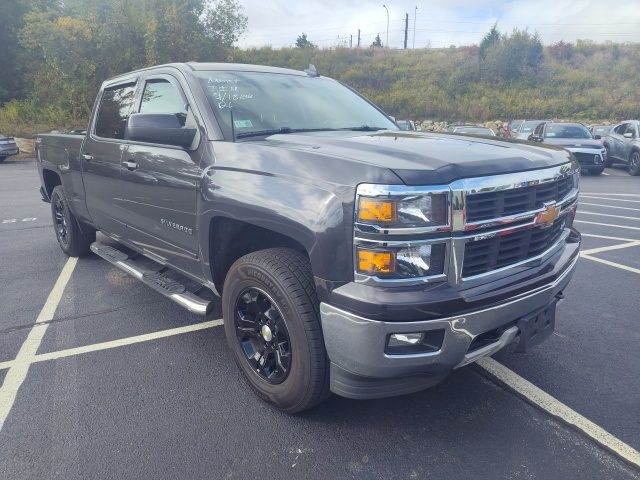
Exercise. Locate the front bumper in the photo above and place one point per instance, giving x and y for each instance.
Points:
(360, 368)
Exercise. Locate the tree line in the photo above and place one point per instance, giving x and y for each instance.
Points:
(55, 55)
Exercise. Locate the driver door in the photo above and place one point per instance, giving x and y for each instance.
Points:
(160, 182)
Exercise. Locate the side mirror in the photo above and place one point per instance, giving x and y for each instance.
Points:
(628, 135)
(597, 137)
(162, 128)
(534, 138)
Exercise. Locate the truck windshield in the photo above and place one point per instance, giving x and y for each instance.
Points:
(266, 103)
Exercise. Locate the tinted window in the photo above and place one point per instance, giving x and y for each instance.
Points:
(114, 111)
(161, 96)
(631, 128)
(620, 128)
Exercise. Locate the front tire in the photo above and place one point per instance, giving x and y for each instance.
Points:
(2, 159)
(74, 237)
(634, 163)
(596, 171)
(272, 325)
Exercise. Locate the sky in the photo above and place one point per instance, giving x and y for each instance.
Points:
(330, 23)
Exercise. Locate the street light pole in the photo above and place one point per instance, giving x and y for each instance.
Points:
(415, 15)
(387, 44)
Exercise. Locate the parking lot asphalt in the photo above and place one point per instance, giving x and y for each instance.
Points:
(125, 384)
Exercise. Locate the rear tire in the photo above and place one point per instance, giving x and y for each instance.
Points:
(283, 360)
(74, 237)
(634, 163)
(2, 159)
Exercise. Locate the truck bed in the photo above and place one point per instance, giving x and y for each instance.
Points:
(59, 148)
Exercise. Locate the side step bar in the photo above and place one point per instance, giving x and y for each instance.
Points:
(156, 280)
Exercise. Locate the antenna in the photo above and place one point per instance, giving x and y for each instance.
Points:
(311, 71)
(233, 126)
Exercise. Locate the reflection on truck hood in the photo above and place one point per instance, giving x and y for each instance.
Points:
(423, 158)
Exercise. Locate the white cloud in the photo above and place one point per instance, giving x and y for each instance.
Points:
(458, 22)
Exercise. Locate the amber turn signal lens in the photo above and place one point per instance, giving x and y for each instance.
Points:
(372, 262)
(372, 210)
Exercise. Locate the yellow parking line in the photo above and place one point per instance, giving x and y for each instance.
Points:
(551, 405)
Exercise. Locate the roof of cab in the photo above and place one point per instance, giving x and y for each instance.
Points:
(197, 66)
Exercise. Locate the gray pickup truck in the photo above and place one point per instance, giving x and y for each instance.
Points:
(623, 145)
(351, 257)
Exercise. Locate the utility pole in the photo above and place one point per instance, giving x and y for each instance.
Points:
(350, 41)
(387, 44)
(358, 38)
(406, 29)
(415, 15)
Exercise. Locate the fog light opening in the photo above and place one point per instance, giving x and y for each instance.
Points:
(414, 343)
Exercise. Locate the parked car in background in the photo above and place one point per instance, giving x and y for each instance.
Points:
(8, 147)
(527, 127)
(474, 130)
(600, 131)
(576, 138)
(623, 145)
(407, 125)
(513, 126)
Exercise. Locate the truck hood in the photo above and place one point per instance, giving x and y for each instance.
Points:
(574, 143)
(419, 158)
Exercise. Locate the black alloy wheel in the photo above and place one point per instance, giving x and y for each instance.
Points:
(60, 222)
(634, 163)
(263, 335)
(74, 236)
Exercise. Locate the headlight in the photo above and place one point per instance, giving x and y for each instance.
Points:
(411, 260)
(395, 210)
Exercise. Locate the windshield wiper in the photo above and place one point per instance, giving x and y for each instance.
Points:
(282, 130)
(363, 128)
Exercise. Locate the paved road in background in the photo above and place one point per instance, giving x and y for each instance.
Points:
(175, 406)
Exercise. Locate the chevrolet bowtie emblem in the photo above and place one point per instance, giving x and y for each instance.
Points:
(548, 215)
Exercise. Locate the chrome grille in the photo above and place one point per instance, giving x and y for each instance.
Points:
(501, 250)
(502, 203)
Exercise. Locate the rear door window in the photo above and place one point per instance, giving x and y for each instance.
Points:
(115, 107)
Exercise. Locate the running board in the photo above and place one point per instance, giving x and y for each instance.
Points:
(160, 283)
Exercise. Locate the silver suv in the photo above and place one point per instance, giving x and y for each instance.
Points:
(623, 145)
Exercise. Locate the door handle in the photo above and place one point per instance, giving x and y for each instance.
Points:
(130, 165)
(87, 157)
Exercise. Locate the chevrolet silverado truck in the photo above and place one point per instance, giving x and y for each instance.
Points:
(350, 257)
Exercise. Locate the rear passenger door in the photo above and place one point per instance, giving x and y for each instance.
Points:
(628, 142)
(101, 154)
(160, 182)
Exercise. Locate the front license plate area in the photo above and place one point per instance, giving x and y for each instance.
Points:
(536, 328)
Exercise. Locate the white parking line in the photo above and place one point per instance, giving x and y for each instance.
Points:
(608, 215)
(611, 199)
(20, 366)
(554, 407)
(607, 237)
(610, 206)
(608, 225)
(614, 194)
(633, 243)
(611, 264)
